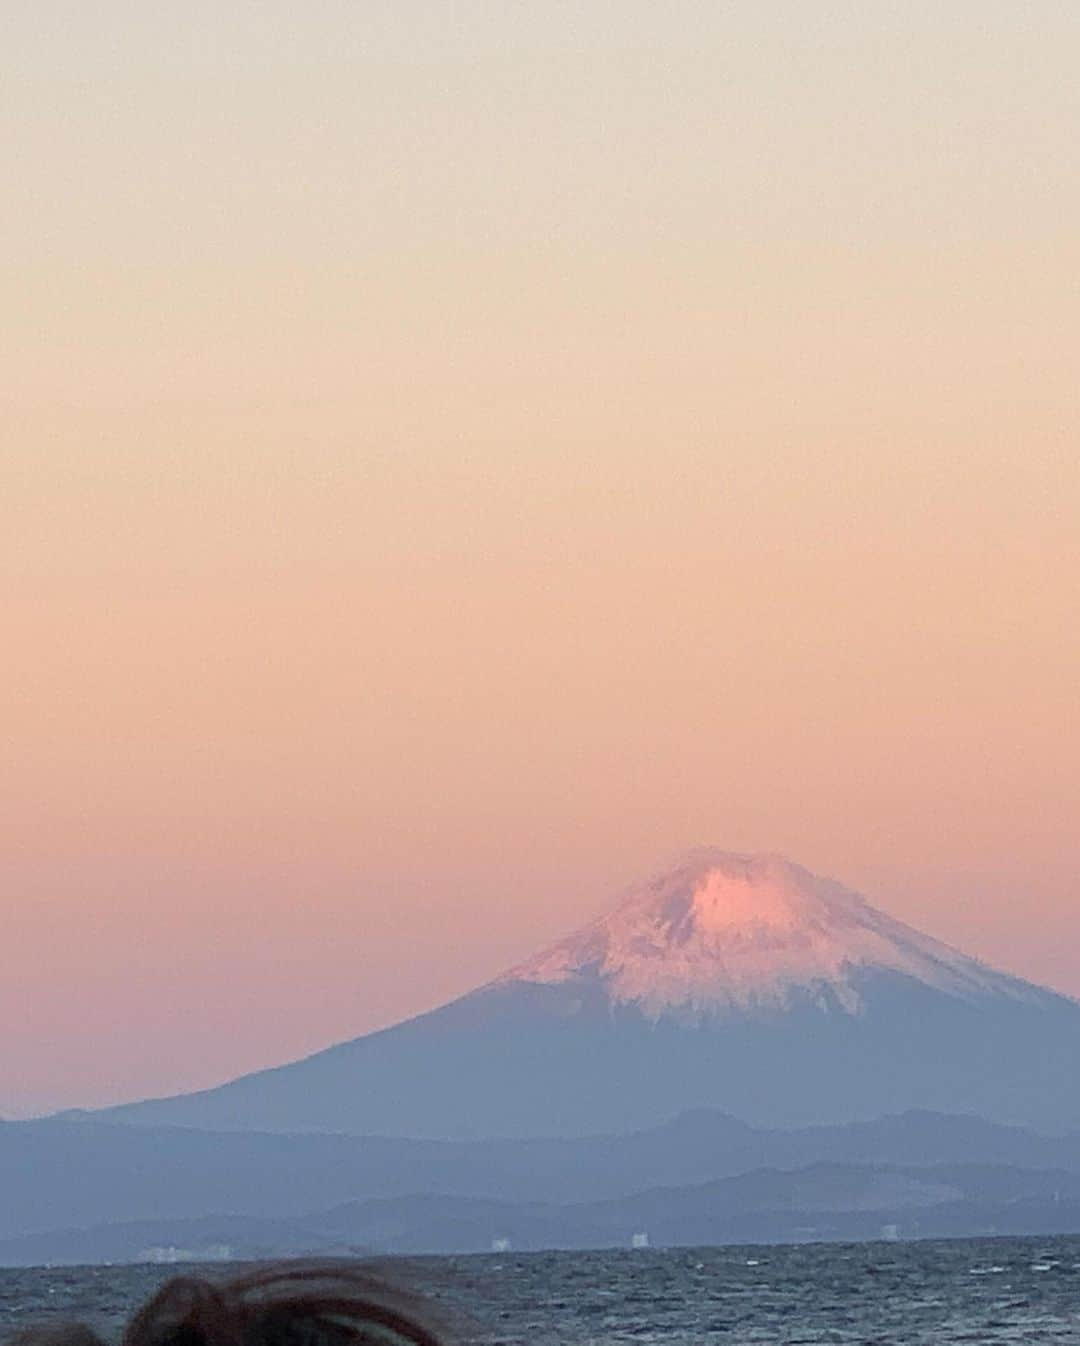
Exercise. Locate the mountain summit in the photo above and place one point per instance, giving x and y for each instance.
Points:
(743, 983)
(722, 933)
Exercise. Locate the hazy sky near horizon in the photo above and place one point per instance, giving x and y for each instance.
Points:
(457, 455)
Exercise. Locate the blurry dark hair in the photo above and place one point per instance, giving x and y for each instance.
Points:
(305, 1304)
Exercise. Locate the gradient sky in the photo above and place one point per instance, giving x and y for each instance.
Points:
(457, 455)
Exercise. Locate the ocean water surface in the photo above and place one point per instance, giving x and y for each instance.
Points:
(992, 1290)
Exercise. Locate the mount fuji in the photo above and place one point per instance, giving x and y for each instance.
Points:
(738, 982)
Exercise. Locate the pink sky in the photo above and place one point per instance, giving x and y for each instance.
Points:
(456, 460)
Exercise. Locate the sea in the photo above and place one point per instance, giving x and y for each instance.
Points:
(889, 1294)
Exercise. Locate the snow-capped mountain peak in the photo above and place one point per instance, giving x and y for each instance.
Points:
(736, 982)
(721, 932)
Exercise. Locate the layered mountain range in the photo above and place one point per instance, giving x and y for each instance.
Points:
(83, 1191)
(743, 983)
(816, 1203)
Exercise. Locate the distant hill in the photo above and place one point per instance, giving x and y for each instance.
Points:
(818, 1203)
(741, 983)
(61, 1174)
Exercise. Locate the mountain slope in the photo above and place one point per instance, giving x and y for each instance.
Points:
(736, 982)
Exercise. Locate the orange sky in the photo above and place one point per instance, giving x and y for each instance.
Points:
(456, 456)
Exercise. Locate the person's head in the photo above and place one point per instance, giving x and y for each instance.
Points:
(291, 1305)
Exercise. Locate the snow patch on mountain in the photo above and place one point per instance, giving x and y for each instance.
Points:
(723, 932)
